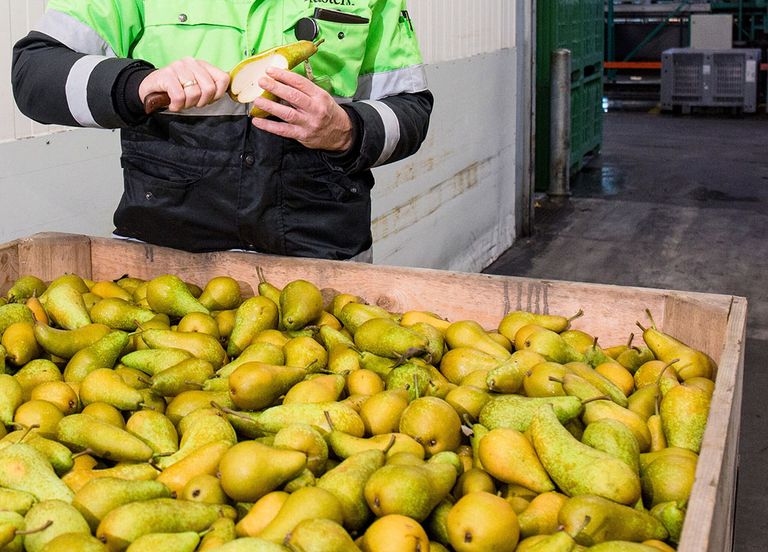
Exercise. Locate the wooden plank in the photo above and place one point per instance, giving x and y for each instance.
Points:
(712, 501)
(50, 255)
(9, 265)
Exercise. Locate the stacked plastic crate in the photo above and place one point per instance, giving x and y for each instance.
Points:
(577, 25)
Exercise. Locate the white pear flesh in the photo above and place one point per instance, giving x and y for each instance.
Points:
(245, 81)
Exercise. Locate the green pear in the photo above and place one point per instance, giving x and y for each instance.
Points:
(469, 333)
(517, 412)
(616, 439)
(186, 541)
(100, 496)
(387, 338)
(411, 377)
(643, 401)
(515, 320)
(198, 344)
(66, 307)
(352, 315)
(303, 504)
(251, 544)
(221, 532)
(252, 316)
(64, 517)
(608, 521)
(101, 354)
(672, 515)
(320, 535)
(603, 384)
(65, 343)
(256, 385)
(577, 468)
(483, 521)
(119, 314)
(128, 522)
(508, 376)
(409, 490)
(602, 409)
(433, 423)
(184, 376)
(260, 351)
(104, 385)
(622, 546)
(199, 428)
(16, 501)
(14, 312)
(307, 439)
(57, 454)
(347, 483)
(305, 351)
(154, 361)
(67, 542)
(436, 523)
(301, 303)
(343, 417)
(24, 287)
(249, 470)
(507, 455)
(81, 432)
(668, 478)
(11, 397)
(634, 357)
(24, 468)
(330, 336)
(684, 411)
(186, 402)
(690, 362)
(551, 346)
(12, 531)
(170, 295)
(155, 429)
(221, 293)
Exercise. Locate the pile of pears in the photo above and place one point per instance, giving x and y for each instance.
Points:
(158, 414)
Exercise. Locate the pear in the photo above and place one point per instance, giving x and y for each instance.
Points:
(482, 521)
(16, 501)
(63, 516)
(105, 413)
(82, 542)
(508, 456)
(119, 314)
(544, 380)
(101, 354)
(77, 479)
(381, 412)
(540, 516)
(184, 376)
(20, 344)
(364, 382)
(303, 504)
(155, 429)
(668, 479)
(261, 513)
(41, 415)
(467, 401)
(684, 411)
(347, 483)
(301, 303)
(608, 521)
(24, 468)
(643, 401)
(320, 535)
(672, 515)
(14, 312)
(551, 346)
(11, 397)
(24, 287)
(168, 294)
(394, 532)
(59, 393)
(185, 541)
(104, 385)
(221, 532)
(433, 423)
(57, 454)
(245, 76)
(107, 289)
(128, 522)
(435, 340)
(412, 490)
(508, 376)
(251, 317)
(66, 307)
(613, 437)
(354, 314)
(221, 293)
(100, 496)
(256, 385)
(436, 524)
(343, 417)
(307, 439)
(387, 338)
(198, 428)
(577, 468)
(81, 431)
(249, 469)
(516, 411)
(154, 361)
(35, 372)
(199, 345)
(603, 384)
(468, 333)
(251, 544)
(203, 460)
(515, 320)
(691, 362)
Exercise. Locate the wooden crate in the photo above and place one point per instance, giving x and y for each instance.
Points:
(713, 323)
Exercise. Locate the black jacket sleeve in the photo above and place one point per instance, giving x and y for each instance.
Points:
(385, 131)
(53, 84)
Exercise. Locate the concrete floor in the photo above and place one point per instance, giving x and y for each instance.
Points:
(677, 202)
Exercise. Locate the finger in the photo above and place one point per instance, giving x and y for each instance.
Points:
(278, 128)
(279, 110)
(220, 78)
(205, 85)
(286, 92)
(176, 93)
(294, 80)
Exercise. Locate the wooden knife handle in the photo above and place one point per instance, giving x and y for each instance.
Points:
(156, 101)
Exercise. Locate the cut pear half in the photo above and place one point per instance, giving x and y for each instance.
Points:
(245, 76)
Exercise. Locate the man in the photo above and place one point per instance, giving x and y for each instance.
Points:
(205, 176)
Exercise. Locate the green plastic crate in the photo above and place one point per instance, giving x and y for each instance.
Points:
(577, 25)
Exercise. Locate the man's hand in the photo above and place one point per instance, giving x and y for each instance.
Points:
(312, 117)
(188, 82)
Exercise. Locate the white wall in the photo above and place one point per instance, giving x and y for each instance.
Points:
(454, 205)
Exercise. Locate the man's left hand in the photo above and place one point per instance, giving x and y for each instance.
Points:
(310, 115)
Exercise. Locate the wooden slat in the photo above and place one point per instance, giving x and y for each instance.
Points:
(9, 265)
(50, 255)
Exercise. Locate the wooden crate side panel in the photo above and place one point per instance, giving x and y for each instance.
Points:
(702, 324)
(712, 500)
(50, 255)
(9, 265)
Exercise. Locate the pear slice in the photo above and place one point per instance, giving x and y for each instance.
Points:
(244, 77)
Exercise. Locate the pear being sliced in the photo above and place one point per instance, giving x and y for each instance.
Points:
(245, 76)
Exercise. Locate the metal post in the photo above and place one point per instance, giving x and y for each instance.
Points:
(560, 124)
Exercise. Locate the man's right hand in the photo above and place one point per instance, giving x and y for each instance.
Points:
(188, 82)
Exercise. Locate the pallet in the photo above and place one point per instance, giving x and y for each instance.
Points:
(713, 323)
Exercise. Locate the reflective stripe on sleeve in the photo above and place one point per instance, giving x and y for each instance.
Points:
(391, 130)
(76, 90)
(380, 85)
(74, 34)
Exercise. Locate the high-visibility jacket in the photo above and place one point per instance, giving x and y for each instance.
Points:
(206, 179)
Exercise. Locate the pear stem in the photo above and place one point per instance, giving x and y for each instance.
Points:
(319, 42)
(555, 379)
(661, 374)
(639, 325)
(416, 385)
(43, 527)
(629, 341)
(82, 453)
(598, 398)
(575, 316)
(231, 412)
(390, 444)
(260, 274)
(650, 317)
(27, 430)
(328, 419)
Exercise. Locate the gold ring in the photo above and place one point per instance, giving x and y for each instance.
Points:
(188, 83)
